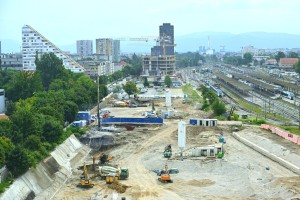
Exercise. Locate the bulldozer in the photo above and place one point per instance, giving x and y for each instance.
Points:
(168, 151)
(104, 157)
(85, 181)
(165, 176)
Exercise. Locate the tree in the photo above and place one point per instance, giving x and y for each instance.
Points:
(218, 107)
(146, 83)
(168, 81)
(18, 161)
(52, 130)
(23, 85)
(247, 58)
(103, 79)
(49, 67)
(279, 55)
(130, 88)
(6, 146)
(103, 91)
(293, 55)
(297, 67)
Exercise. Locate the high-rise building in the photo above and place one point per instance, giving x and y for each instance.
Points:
(35, 43)
(104, 46)
(166, 34)
(84, 47)
(162, 59)
(108, 48)
(116, 51)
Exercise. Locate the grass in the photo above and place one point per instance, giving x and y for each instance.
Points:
(260, 111)
(192, 95)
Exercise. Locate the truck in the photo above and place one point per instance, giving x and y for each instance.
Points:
(122, 173)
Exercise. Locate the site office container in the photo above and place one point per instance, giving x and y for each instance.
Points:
(84, 115)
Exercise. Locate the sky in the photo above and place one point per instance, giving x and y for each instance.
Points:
(64, 21)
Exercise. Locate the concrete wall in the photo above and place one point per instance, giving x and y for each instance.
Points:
(266, 153)
(48, 176)
(285, 134)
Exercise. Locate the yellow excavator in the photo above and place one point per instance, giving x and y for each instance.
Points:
(104, 157)
(85, 180)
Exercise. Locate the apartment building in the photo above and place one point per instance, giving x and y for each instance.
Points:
(108, 48)
(12, 61)
(94, 68)
(84, 47)
(33, 42)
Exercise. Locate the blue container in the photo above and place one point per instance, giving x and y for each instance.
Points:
(166, 116)
(193, 121)
(84, 115)
(222, 140)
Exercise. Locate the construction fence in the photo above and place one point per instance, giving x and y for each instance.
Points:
(285, 134)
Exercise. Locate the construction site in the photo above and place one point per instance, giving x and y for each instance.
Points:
(171, 159)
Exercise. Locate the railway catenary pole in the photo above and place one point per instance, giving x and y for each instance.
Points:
(98, 106)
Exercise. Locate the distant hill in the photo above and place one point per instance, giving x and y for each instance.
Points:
(191, 42)
(234, 42)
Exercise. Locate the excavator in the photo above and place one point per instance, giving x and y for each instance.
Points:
(85, 180)
(165, 176)
(104, 157)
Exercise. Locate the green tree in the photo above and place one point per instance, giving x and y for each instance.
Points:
(103, 91)
(130, 88)
(103, 79)
(293, 55)
(23, 85)
(52, 129)
(218, 107)
(49, 67)
(18, 161)
(10, 108)
(247, 57)
(297, 67)
(279, 55)
(168, 81)
(146, 83)
(6, 146)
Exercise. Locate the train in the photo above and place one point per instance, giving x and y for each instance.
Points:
(217, 91)
(288, 95)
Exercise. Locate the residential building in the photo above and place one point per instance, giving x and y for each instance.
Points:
(271, 62)
(35, 43)
(249, 49)
(104, 46)
(120, 65)
(12, 61)
(287, 62)
(84, 47)
(94, 68)
(116, 51)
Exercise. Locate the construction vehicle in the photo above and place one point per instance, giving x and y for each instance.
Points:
(165, 176)
(85, 180)
(168, 151)
(104, 157)
(121, 173)
(112, 178)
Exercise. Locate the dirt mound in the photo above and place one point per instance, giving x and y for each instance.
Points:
(201, 183)
(119, 187)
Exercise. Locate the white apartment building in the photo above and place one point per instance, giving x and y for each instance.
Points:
(93, 69)
(33, 41)
(84, 47)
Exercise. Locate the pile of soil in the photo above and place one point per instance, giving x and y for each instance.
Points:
(119, 187)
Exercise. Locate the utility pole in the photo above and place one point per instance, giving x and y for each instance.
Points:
(98, 107)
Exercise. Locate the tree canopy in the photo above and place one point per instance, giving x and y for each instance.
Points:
(168, 81)
(279, 55)
(297, 67)
(130, 88)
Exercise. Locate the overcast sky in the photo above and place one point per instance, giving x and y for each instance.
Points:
(64, 21)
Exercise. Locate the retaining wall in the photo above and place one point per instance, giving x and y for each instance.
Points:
(43, 181)
(285, 134)
(266, 153)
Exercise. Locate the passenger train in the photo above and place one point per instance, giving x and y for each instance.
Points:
(288, 95)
